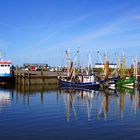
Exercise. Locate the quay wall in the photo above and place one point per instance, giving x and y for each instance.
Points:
(37, 78)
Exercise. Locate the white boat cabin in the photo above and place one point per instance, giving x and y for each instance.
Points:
(86, 78)
(5, 67)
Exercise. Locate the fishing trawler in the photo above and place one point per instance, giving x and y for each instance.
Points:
(81, 81)
(128, 82)
(6, 72)
(84, 80)
(109, 79)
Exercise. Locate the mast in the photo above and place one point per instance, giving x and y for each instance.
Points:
(99, 56)
(89, 62)
(118, 64)
(136, 67)
(76, 60)
(106, 66)
(68, 62)
(123, 66)
(75, 65)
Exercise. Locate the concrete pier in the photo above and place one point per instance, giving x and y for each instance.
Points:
(37, 77)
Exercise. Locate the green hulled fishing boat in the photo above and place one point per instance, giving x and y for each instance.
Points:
(126, 82)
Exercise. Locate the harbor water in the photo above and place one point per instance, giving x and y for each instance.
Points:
(69, 114)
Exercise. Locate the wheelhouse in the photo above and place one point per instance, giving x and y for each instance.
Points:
(5, 67)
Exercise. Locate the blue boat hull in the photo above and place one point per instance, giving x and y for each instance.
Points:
(7, 79)
(112, 80)
(89, 85)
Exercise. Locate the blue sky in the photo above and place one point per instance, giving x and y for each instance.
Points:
(39, 31)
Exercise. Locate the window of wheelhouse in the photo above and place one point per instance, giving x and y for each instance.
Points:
(86, 77)
(5, 65)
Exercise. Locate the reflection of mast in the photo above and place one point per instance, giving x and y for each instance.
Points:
(139, 100)
(70, 101)
(88, 96)
(89, 104)
(133, 98)
(135, 101)
(100, 109)
(122, 104)
(105, 105)
(67, 108)
(72, 104)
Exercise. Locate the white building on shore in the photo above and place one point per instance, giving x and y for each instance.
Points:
(101, 65)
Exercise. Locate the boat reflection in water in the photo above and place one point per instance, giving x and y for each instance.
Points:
(6, 95)
(95, 105)
(108, 104)
(133, 94)
(47, 112)
(4, 99)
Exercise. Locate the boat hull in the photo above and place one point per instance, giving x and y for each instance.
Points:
(125, 90)
(7, 79)
(88, 85)
(110, 81)
(130, 82)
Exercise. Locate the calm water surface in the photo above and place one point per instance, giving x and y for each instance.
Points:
(67, 114)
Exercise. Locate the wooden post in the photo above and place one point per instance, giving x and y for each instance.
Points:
(23, 78)
(42, 76)
(16, 74)
(19, 78)
(28, 77)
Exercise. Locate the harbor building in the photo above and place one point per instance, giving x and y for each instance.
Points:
(101, 65)
(35, 66)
